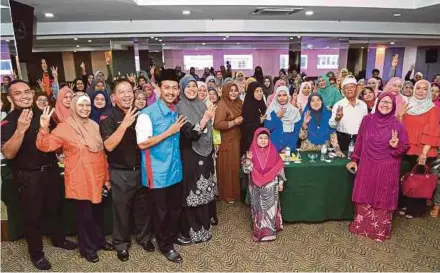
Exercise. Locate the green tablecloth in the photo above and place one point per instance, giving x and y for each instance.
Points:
(316, 192)
(9, 196)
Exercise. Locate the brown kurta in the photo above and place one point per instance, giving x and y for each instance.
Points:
(228, 161)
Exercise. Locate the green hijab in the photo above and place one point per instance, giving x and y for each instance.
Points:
(330, 94)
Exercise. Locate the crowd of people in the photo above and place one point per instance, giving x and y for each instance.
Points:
(167, 145)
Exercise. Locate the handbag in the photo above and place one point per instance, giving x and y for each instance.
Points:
(419, 185)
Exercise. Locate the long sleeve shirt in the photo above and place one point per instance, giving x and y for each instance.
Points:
(352, 118)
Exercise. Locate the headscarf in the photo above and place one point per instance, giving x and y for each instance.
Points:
(225, 81)
(61, 111)
(139, 91)
(319, 129)
(206, 100)
(302, 99)
(151, 99)
(97, 112)
(266, 161)
(400, 100)
(251, 105)
(87, 130)
(437, 101)
(258, 75)
(267, 90)
(234, 106)
(378, 134)
(210, 78)
(376, 86)
(330, 95)
(216, 94)
(291, 116)
(419, 107)
(240, 83)
(405, 84)
(279, 83)
(194, 110)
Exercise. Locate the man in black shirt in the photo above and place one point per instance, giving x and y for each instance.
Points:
(36, 174)
(117, 128)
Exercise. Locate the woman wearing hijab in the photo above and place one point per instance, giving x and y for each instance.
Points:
(86, 171)
(140, 99)
(330, 95)
(240, 80)
(149, 92)
(283, 120)
(280, 82)
(266, 175)
(407, 89)
(360, 86)
(258, 75)
(421, 120)
(199, 183)
(211, 81)
(228, 120)
(267, 86)
(248, 82)
(381, 143)
(394, 86)
(254, 111)
(303, 96)
(374, 84)
(369, 97)
(203, 94)
(315, 130)
(100, 103)
(62, 105)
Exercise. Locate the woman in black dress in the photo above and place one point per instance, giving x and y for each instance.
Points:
(196, 146)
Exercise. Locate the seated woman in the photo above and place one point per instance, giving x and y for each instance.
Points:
(266, 177)
(282, 120)
(380, 145)
(315, 130)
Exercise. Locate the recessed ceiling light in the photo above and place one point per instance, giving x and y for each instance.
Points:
(291, 38)
(163, 44)
(160, 40)
(298, 36)
(224, 39)
(397, 14)
(186, 12)
(309, 46)
(309, 12)
(227, 37)
(156, 39)
(74, 51)
(362, 47)
(7, 41)
(152, 37)
(89, 41)
(391, 43)
(327, 47)
(76, 39)
(238, 43)
(203, 43)
(48, 15)
(77, 45)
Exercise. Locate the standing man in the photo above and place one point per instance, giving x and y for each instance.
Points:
(36, 174)
(117, 128)
(347, 114)
(158, 132)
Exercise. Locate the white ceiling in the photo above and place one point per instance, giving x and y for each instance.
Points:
(124, 10)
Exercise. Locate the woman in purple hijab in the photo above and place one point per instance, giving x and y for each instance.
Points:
(381, 143)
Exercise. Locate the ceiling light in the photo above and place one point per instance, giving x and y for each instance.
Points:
(227, 37)
(48, 15)
(397, 14)
(89, 41)
(203, 43)
(163, 44)
(74, 51)
(362, 47)
(309, 46)
(7, 41)
(291, 38)
(238, 43)
(309, 12)
(327, 47)
(186, 12)
(224, 39)
(76, 39)
(160, 40)
(298, 36)
(152, 37)
(77, 45)
(391, 43)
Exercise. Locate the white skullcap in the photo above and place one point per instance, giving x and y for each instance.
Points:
(349, 80)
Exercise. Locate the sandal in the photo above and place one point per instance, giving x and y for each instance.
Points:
(402, 211)
(434, 211)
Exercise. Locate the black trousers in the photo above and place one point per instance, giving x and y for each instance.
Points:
(344, 140)
(90, 226)
(130, 198)
(39, 193)
(167, 209)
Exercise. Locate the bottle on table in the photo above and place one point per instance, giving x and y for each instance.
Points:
(350, 147)
(287, 154)
(323, 152)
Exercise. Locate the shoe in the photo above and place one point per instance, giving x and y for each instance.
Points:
(108, 247)
(214, 221)
(67, 244)
(123, 255)
(93, 258)
(434, 211)
(183, 241)
(173, 256)
(149, 247)
(409, 216)
(42, 264)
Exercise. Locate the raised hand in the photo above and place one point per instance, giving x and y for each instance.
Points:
(130, 117)
(281, 113)
(176, 126)
(339, 113)
(352, 165)
(395, 60)
(263, 118)
(108, 59)
(41, 84)
(54, 70)
(238, 120)
(249, 155)
(131, 77)
(83, 66)
(394, 141)
(210, 112)
(71, 85)
(152, 71)
(403, 110)
(45, 117)
(307, 118)
(24, 120)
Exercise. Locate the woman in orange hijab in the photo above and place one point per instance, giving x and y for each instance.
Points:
(62, 105)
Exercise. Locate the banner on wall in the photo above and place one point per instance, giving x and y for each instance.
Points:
(23, 22)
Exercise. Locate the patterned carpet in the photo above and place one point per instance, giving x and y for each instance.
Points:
(415, 246)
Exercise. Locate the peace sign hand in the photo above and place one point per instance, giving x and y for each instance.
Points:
(83, 66)
(130, 117)
(395, 60)
(71, 85)
(307, 118)
(394, 141)
(403, 110)
(263, 118)
(24, 120)
(175, 127)
(42, 85)
(339, 113)
(131, 77)
(45, 117)
(54, 70)
(210, 112)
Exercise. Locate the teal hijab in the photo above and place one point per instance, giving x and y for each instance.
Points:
(330, 94)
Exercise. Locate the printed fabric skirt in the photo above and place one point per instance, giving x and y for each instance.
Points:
(266, 211)
(372, 223)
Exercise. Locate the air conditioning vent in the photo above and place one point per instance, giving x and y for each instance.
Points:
(276, 11)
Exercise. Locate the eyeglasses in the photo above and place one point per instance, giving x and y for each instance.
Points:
(42, 100)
